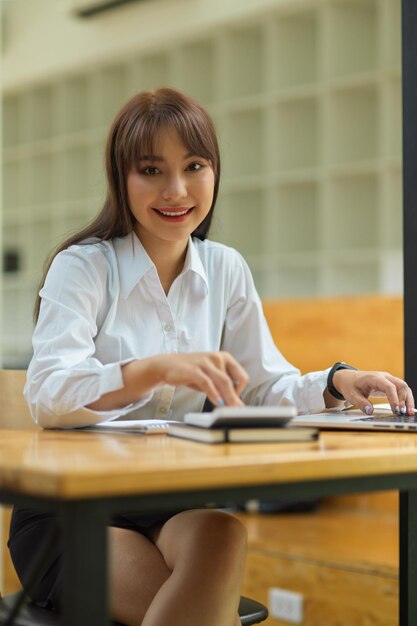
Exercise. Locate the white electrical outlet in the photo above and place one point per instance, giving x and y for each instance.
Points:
(286, 605)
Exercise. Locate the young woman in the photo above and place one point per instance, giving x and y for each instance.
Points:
(140, 314)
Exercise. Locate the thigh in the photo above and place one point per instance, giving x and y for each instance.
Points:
(200, 535)
(137, 571)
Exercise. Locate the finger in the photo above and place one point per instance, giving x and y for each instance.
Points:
(367, 386)
(402, 391)
(381, 383)
(225, 362)
(224, 386)
(402, 397)
(409, 403)
(202, 382)
(362, 402)
(238, 376)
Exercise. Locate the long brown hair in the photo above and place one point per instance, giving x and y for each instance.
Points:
(134, 132)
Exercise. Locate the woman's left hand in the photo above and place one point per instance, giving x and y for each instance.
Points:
(358, 386)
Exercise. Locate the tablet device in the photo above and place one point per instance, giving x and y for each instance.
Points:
(242, 416)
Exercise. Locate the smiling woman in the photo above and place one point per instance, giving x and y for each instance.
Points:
(141, 314)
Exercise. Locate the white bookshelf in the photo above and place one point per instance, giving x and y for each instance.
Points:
(307, 101)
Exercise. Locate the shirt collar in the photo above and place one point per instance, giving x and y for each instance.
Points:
(194, 264)
(134, 262)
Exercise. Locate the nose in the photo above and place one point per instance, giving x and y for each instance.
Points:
(175, 188)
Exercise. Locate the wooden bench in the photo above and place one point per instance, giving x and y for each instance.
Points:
(343, 557)
(11, 386)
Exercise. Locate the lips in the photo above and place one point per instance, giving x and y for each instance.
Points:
(177, 214)
(170, 212)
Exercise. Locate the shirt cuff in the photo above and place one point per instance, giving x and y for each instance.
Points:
(317, 385)
(112, 380)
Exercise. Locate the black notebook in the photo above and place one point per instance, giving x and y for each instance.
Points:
(245, 434)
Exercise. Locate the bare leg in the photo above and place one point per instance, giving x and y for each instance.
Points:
(191, 576)
(205, 550)
(137, 571)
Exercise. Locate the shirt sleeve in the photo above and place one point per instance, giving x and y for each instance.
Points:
(64, 376)
(272, 379)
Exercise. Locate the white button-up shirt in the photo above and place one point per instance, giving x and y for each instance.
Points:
(103, 305)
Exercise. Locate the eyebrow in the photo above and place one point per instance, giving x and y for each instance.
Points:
(158, 159)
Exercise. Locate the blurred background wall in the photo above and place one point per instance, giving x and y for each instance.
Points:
(306, 97)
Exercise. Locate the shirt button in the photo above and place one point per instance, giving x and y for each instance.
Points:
(168, 328)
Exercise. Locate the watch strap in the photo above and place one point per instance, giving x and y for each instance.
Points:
(340, 365)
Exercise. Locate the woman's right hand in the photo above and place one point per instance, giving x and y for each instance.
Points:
(216, 374)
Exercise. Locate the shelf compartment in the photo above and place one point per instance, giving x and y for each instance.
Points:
(296, 50)
(242, 144)
(96, 179)
(294, 225)
(114, 90)
(352, 37)
(244, 219)
(11, 307)
(11, 182)
(393, 201)
(245, 62)
(74, 98)
(11, 107)
(352, 215)
(258, 276)
(17, 324)
(289, 281)
(198, 70)
(351, 277)
(352, 125)
(70, 224)
(153, 72)
(39, 247)
(392, 273)
(14, 251)
(41, 111)
(297, 134)
(393, 30)
(25, 183)
(74, 177)
(394, 121)
(42, 180)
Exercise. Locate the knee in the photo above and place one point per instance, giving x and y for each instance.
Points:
(220, 532)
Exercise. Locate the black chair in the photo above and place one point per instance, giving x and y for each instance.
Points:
(250, 611)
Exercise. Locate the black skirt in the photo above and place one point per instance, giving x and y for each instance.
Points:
(28, 532)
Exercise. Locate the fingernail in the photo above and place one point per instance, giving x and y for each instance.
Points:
(368, 410)
(397, 410)
(411, 411)
(220, 402)
(403, 410)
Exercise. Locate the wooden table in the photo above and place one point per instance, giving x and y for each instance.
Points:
(86, 477)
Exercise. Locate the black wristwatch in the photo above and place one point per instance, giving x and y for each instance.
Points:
(337, 366)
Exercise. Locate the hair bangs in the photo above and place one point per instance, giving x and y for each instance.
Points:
(193, 127)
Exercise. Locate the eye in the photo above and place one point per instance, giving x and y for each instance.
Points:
(195, 167)
(150, 170)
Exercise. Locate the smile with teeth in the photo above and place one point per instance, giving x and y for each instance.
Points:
(174, 213)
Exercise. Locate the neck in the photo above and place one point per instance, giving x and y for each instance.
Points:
(168, 257)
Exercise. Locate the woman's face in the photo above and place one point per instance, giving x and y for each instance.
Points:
(171, 192)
